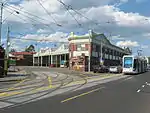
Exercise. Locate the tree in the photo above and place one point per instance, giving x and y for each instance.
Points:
(12, 50)
(30, 48)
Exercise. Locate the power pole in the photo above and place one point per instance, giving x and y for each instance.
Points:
(8, 43)
(1, 17)
(89, 63)
(7, 53)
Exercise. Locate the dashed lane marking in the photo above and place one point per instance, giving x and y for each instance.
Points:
(50, 82)
(138, 90)
(143, 86)
(80, 95)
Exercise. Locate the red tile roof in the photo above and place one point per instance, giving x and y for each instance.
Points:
(23, 53)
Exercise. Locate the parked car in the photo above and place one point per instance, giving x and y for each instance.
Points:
(100, 69)
(115, 69)
(148, 67)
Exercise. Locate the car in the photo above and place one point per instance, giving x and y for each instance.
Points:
(100, 69)
(148, 67)
(115, 69)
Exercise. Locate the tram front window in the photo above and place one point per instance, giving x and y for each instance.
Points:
(128, 62)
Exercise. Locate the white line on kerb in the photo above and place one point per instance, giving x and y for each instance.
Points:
(146, 83)
(138, 90)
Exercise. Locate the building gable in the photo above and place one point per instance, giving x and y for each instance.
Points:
(102, 37)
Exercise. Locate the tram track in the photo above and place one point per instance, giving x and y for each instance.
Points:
(66, 80)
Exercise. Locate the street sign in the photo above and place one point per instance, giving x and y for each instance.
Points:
(12, 62)
(101, 61)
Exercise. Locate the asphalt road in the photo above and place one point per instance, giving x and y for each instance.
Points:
(129, 95)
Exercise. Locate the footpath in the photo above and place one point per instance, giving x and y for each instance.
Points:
(14, 76)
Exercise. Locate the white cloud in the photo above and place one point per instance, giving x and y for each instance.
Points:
(43, 31)
(144, 46)
(146, 35)
(56, 37)
(140, 1)
(98, 14)
(14, 1)
(122, 24)
(16, 44)
(117, 37)
(127, 43)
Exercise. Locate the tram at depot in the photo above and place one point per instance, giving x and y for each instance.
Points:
(134, 64)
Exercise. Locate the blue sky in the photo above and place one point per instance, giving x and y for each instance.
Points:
(129, 22)
(141, 7)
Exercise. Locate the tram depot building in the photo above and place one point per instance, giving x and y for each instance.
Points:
(78, 50)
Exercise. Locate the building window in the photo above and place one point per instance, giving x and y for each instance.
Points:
(87, 47)
(78, 47)
(81, 47)
(97, 48)
(94, 47)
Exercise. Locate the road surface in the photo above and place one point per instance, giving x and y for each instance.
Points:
(126, 95)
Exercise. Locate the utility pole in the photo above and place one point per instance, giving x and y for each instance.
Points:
(89, 63)
(38, 56)
(7, 53)
(101, 59)
(1, 17)
(8, 43)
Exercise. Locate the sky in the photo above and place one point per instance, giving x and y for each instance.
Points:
(124, 22)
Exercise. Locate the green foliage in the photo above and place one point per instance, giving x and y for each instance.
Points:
(30, 48)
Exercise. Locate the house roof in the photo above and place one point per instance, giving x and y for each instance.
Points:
(10, 55)
(23, 53)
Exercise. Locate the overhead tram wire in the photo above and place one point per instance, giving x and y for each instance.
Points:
(39, 1)
(33, 20)
(19, 17)
(49, 41)
(67, 8)
(34, 25)
(70, 7)
(11, 13)
(25, 11)
(29, 13)
(4, 2)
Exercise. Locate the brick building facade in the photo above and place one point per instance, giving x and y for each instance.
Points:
(98, 47)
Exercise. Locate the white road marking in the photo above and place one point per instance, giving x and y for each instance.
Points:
(129, 78)
(143, 86)
(4, 104)
(146, 83)
(138, 90)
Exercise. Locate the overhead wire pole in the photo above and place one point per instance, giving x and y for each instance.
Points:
(7, 53)
(1, 17)
(89, 63)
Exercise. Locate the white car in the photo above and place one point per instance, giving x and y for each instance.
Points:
(115, 69)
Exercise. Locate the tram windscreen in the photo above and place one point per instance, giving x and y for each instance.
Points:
(128, 62)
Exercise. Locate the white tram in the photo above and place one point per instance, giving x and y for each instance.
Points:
(134, 64)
